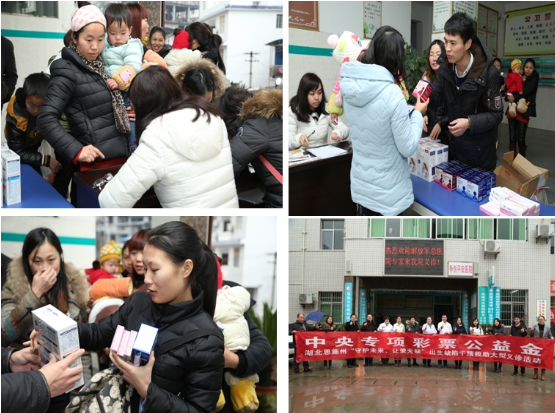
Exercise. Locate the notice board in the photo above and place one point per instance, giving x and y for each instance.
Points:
(530, 31)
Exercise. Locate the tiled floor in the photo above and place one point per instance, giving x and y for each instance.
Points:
(387, 389)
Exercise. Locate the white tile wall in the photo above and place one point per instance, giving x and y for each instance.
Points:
(523, 265)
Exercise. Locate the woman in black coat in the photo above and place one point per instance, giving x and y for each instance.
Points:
(181, 276)
(97, 116)
(459, 328)
(255, 129)
(497, 330)
(518, 125)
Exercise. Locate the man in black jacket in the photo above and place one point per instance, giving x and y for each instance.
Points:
(368, 325)
(300, 325)
(467, 84)
(518, 328)
(30, 391)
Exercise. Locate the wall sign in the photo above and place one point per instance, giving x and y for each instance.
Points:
(303, 15)
(482, 305)
(461, 268)
(348, 304)
(530, 31)
(541, 308)
(442, 12)
(362, 303)
(413, 257)
(372, 18)
(552, 287)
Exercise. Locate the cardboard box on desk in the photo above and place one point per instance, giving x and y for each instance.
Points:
(11, 177)
(518, 174)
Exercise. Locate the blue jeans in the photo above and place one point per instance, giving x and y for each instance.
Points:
(131, 136)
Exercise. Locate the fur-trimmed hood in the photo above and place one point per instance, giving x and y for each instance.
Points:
(266, 103)
(17, 286)
(220, 81)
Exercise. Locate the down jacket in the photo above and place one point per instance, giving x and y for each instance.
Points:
(220, 81)
(18, 300)
(114, 57)
(22, 134)
(478, 99)
(261, 133)
(177, 58)
(321, 129)
(25, 391)
(195, 369)
(383, 136)
(86, 100)
(189, 164)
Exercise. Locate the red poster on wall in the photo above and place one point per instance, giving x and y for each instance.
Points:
(521, 351)
(552, 287)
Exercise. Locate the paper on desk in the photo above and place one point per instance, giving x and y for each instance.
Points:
(328, 151)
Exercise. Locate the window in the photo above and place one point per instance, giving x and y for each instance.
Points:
(279, 21)
(331, 304)
(512, 229)
(376, 227)
(236, 256)
(332, 235)
(416, 228)
(478, 228)
(393, 228)
(32, 8)
(513, 303)
(227, 225)
(225, 258)
(449, 228)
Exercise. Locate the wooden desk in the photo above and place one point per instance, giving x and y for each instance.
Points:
(322, 187)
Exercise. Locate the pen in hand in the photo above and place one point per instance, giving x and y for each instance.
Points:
(304, 140)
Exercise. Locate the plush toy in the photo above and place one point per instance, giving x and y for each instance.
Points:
(124, 76)
(346, 48)
(231, 304)
(153, 59)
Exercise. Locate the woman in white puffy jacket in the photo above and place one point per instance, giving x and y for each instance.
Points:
(309, 123)
(183, 150)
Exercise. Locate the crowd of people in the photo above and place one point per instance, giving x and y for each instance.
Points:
(463, 110)
(117, 95)
(411, 325)
(172, 281)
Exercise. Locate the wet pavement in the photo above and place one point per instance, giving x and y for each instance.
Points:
(387, 389)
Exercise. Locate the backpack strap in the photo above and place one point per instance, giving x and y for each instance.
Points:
(180, 341)
(271, 168)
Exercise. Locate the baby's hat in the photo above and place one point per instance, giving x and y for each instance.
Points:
(345, 48)
(110, 251)
(181, 40)
(515, 63)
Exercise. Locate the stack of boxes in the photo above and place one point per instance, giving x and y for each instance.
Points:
(504, 202)
(11, 177)
(472, 183)
(428, 155)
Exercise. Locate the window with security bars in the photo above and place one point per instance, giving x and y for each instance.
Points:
(331, 304)
(31, 8)
(449, 228)
(512, 229)
(416, 228)
(332, 234)
(513, 304)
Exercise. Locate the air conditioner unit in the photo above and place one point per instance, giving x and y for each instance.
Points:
(545, 230)
(492, 246)
(348, 266)
(305, 298)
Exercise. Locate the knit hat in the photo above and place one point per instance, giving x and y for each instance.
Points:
(345, 48)
(86, 15)
(515, 63)
(110, 251)
(181, 40)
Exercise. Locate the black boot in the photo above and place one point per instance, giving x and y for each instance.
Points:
(513, 134)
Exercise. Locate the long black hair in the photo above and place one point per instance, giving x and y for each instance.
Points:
(209, 43)
(154, 92)
(430, 72)
(230, 104)
(299, 102)
(197, 81)
(58, 293)
(387, 49)
(181, 242)
(137, 243)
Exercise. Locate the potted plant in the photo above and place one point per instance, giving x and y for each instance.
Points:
(266, 388)
(415, 66)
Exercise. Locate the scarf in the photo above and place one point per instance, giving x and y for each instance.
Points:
(120, 113)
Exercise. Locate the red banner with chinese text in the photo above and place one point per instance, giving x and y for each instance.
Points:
(521, 351)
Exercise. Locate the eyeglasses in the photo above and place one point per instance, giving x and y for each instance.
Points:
(100, 182)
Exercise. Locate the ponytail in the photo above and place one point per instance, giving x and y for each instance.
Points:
(181, 242)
